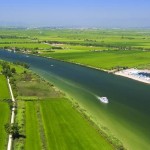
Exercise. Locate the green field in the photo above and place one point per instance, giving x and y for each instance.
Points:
(93, 47)
(30, 86)
(4, 118)
(33, 140)
(54, 124)
(4, 92)
(4, 111)
(65, 128)
(107, 59)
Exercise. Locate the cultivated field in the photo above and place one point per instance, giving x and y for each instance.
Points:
(4, 111)
(93, 47)
(54, 124)
(4, 92)
(4, 118)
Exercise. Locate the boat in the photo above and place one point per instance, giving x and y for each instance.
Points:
(103, 99)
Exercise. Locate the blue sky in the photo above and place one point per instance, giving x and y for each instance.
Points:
(96, 13)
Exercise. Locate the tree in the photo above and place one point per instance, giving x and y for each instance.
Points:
(13, 70)
(13, 129)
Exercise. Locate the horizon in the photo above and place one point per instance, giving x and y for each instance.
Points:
(86, 14)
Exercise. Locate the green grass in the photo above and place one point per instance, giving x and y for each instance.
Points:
(66, 129)
(30, 86)
(4, 118)
(55, 124)
(32, 140)
(107, 59)
(78, 45)
(4, 91)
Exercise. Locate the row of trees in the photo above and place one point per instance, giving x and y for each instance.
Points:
(7, 70)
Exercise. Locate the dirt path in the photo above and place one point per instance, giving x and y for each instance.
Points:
(9, 146)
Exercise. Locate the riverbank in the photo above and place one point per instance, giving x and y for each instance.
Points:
(135, 74)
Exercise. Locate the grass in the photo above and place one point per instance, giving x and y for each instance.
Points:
(4, 118)
(4, 111)
(78, 46)
(31, 86)
(65, 128)
(106, 59)
(54, 124)
(32, 140)
(4, 91)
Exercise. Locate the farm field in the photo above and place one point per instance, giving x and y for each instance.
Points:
(4, 118)
(4, 111)
(63, 128)
(33, 140)
(4, 91)
(76, 131)
(106, 60)
(91, 47)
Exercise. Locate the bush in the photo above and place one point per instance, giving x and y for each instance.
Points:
(13, 129)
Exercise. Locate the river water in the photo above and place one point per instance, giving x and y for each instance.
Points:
(127, 115)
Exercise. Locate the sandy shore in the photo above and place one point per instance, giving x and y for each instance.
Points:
(136, 74)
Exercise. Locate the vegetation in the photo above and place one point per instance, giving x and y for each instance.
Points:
(8, 69)
(34, 129)
(13, 129)
(29, 85)
(95, 47)
(4, 92)
(4, 110)
(4, 119)
(36, 98)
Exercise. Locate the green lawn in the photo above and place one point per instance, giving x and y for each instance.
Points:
(4, 91)
(66, 129)
(4, 118)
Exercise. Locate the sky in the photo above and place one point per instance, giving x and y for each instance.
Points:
(83, 13)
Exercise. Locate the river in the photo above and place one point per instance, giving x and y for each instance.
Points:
(127, 115)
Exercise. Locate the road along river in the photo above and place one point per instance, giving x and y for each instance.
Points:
(127, 115)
